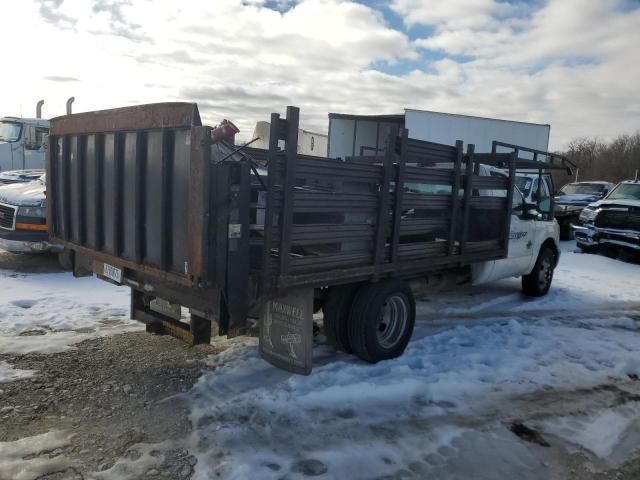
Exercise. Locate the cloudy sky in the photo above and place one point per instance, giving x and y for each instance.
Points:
(572, 63)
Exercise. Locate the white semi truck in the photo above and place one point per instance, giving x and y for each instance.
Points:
(22, 143)
(23, 140)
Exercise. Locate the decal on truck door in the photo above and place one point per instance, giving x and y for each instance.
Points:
(517, 235)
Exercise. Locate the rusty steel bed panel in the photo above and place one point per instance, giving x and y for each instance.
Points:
(93, 187)
(140, 117)
(130, 220)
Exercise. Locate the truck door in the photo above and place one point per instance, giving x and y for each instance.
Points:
(34, 142)
(545, 225)
(520, 254)
(521, 239)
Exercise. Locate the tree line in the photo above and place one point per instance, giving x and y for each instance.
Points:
(611, 161)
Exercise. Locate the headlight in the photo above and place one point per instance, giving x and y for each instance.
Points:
(39, 212)
(588, 215)
(573, 208)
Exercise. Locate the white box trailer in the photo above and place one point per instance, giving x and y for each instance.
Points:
(353, 135)
(309, 143)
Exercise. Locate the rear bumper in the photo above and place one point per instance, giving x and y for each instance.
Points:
(27, 242)
(593, 236)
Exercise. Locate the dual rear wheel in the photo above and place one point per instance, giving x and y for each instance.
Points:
(374, 321)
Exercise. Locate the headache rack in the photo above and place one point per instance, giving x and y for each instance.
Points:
(540, 160)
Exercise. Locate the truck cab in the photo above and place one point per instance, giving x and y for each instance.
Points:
(535, 191)
(532, 230)
(22, 143)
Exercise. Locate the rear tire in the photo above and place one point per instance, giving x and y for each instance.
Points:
(381, 320)
(538, 282)
(335, 312)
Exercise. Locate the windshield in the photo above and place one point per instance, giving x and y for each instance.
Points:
(524, 185)
(10, 131)
(582, 189)
(626, 191)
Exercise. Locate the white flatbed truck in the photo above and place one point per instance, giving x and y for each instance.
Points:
(145, 197)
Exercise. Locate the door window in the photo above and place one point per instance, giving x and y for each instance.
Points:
(41, 135)
(542, 197)
(35, 137)
(517, 204)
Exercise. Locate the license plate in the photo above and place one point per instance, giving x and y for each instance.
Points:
(112, 272)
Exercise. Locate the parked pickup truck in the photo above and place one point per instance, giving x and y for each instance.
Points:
(613, 222)
(572, 198)
(19, 176)
(23, 225)
(145, 198)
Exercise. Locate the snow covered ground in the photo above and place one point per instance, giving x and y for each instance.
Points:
(566, 364)
(439, 411)
(50, 312)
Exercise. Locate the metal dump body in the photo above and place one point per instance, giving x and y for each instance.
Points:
(130, 186)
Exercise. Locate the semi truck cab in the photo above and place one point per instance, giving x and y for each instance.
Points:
(22, 143)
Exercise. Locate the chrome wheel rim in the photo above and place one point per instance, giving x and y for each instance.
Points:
(392, 321)
(546, 272)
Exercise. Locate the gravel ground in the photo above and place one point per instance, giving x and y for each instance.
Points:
(111, 393)
(29, 263)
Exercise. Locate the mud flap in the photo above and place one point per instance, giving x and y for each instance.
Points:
(286, 331)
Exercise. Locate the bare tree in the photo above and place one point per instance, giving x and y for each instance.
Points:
(611, 161)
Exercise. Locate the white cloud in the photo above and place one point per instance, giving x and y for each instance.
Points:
(237, 60)
(561, 29)
(571, 63)
(458, 13)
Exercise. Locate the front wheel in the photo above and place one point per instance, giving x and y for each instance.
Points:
(538, 282)
(381, 320)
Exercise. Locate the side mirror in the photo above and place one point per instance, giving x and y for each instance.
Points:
(531, 212)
